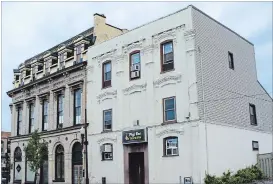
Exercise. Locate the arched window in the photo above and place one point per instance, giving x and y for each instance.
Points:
(170, 146)
(59, 163)
(77, 163)
(18, 164)
(107, 151)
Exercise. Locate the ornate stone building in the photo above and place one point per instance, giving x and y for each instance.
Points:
(50, 95)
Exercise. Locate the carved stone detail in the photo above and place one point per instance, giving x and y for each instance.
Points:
(161, 132)
(189, 33)
(132, 46)
(135, 88)
(169, 79)
(101, 58)
(107, 95)
(107, 139)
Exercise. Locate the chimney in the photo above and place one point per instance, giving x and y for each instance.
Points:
(99, 19)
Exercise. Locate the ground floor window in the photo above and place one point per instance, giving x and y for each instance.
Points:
(170, 145)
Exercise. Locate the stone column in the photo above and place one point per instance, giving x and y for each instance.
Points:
(68, 169)
(51, 168)
(23, 170)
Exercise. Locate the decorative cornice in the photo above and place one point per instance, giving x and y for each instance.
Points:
(107, 139)
(189, 33)
(107, 95)
(169, 79)
(135, 88)
(105, 56)
(160, 133)
(133, 46)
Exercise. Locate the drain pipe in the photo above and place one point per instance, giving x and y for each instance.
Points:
(204, 109)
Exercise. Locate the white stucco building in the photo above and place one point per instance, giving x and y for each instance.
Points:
(177, 97)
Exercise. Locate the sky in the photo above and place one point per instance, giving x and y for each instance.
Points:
(29, 28)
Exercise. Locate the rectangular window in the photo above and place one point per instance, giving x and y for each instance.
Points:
(77, 106)
(107, 151)
(31, 118)
(60, 111)
(107, 120)
(45, 115)
(230, 60)
(106, 74)
(27, 73)
(169, 109)
(17, 77)
(40, 67)
(54, 62)
(19, 121)
(252, 112)
(171, 146)
(167, 60)
(135, 65)
(255, 145)
(78, 53)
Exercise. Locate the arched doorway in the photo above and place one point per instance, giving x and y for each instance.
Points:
(77, 163)
(17, 165)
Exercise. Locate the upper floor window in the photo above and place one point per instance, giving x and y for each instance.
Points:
(167, 61)
(107, 120)
(60, 111)
(170, 145)
(54, 62)
(19, 121)
(252, 112)
(27, 73)
(40, 67)
(78, 53)
(169, 108)
(77, 106)
(135, 65)
(59, 163)
(17, 77)
(31, 118)
(230, 60)
(255, 145)
(106, 79)
(107, 151)
(45, 115)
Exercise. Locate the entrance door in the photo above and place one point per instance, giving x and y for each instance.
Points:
(77, 169)
(44, 173)
(136, 168)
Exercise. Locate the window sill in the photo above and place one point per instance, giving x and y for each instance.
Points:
(134, 78)
(26, 77)
(106, 131)
(169, 122)
(162, 72)
(170, 155)
(254, 124)
(68, 59)
(107, 160)
(58, 180)
(52, 66)
(39, 72)
(106, 87)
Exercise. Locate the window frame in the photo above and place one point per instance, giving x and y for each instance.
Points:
(103, 128)
(58, 109)
(104, 82)
(164, 106)
(165, 154)
(45, 101)
(254, 115)
(62, 163)
(19, 120)
(253, 148)
(162, 55)
(75, 107)
(31, 119)
(78, 53)
(131, 64)
(230, 60)
(103, 153)
(28, 72)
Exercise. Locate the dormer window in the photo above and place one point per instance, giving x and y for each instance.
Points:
(54, 62)
(40, 68)
(27, 73)
(17, 77)
(78, 53)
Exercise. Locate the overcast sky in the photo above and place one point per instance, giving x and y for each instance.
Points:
(29, 28)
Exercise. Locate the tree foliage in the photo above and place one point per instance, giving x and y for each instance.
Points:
(246, 175)
(36, 151)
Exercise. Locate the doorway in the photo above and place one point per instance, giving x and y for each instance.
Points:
(77, 163)
(136, 168)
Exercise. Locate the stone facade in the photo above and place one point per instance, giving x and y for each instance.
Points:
(60, 70)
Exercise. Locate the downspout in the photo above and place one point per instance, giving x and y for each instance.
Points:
(204, 109)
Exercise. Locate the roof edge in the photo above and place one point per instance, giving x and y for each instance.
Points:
(265, 90)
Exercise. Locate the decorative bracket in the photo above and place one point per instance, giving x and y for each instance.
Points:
(161, 133)
(169, 79)
(107, 95)
(135, 88)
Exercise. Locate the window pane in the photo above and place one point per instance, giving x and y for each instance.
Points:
(107, 67)
(251, 110)
(107, 76)
(169, 104)
(107, 115)
(170, 115)
(167, 48)
(168, 151)
(135, 58)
